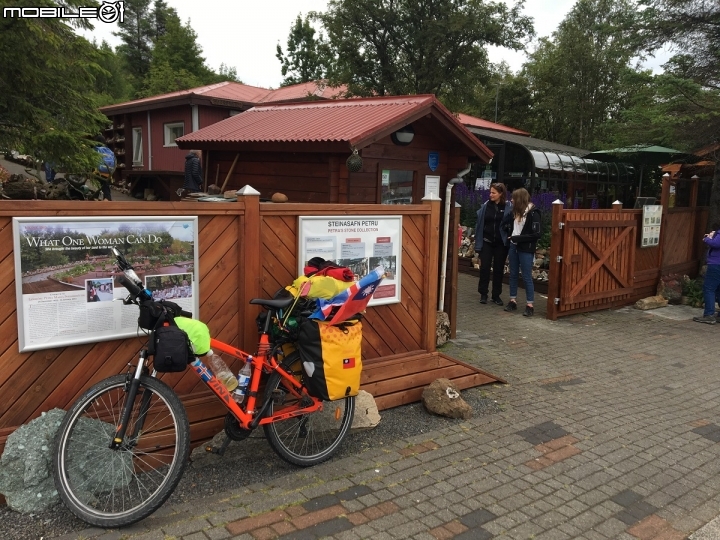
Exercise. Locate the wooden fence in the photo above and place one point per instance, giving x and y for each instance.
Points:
(246, 249)
(596, 261)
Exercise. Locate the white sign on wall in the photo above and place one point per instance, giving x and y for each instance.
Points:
(359, 242)
(652, 218)
(66, 279)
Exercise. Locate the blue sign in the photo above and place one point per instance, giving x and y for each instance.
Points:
(433, 160)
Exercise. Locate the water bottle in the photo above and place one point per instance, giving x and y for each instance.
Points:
(243, 379)
(221, 371)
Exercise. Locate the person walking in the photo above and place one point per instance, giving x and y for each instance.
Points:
(491, 242)
(193, 172)
(525, 233)
(711, 284)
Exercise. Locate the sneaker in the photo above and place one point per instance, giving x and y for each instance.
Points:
(707, 319)
(528, 311)
(511, 306)
(497, 301)
(483, 298)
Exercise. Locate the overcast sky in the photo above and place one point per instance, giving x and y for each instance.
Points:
(245, 36)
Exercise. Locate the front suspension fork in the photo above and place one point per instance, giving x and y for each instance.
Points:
(130, 396)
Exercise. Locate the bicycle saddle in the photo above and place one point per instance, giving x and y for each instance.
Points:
(278, 303)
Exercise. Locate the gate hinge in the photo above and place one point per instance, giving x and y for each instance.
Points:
(559, 258)
(561, 225)
(557, 301)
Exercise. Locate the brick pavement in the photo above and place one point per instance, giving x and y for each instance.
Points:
(609, 430)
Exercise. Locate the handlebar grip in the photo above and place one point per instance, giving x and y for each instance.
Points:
(186, 314)
(132, 287)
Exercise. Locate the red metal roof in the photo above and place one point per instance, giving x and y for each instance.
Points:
(356, 121)
(234, 91)
(473, 121)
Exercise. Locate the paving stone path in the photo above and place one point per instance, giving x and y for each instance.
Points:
(609, 430)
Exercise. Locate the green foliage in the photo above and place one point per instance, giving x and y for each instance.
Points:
(308, 58)
(137, 35)
(692, 289)
(393, 47)
(47, 106)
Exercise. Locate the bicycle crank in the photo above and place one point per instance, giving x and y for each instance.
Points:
(233, 429)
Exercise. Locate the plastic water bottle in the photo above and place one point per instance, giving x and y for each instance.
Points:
(221, 371)
(243, 379)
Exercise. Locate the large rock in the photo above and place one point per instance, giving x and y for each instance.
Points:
(442, 328)
(26, 474)
(443, 398)
(651, 302)
(670, 287)
(366, 411)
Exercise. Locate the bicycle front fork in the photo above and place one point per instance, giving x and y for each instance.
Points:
(131, 394)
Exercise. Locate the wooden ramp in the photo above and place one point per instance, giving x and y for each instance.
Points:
(400, 379)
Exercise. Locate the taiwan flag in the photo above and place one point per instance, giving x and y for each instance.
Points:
(351, 301)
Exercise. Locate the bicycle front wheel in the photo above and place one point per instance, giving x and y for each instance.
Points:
(312, 438)
(115, 487)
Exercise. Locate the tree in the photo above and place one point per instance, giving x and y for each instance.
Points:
(137, 35)
(577, 76)
(111, 84)
(408, 47)
(693, 27)
(47, 105)
(308, 58)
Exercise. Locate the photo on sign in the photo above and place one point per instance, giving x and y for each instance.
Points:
(99, 290)
(388, 263)
(170, 286)
(359, 267)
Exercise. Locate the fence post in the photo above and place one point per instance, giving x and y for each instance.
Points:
(431, 271)
(250, 267)
(617, 206)
(554, 273)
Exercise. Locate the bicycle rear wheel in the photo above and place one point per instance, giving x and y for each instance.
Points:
(116, 487)
(312, 438)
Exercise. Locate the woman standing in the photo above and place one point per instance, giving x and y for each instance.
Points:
(525, 233)
(491, 243)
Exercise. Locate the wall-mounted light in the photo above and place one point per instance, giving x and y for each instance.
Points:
(403, 136)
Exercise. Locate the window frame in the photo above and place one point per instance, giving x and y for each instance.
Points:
(167, 133)
(137, 138)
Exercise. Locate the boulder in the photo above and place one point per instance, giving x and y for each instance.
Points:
(366, 412)
(443, 398)
(651, 302)
(670, 287)
(442, 328)
(279, 198)
(26, 468)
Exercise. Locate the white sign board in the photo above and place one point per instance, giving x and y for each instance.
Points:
(359, 242)
(432, 187)
(66, 279)
(652, 218)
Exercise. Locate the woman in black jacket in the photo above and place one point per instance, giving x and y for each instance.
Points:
(491, 243)
(524, 235)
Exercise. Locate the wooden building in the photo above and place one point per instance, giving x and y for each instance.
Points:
(302, 149)
(142, 132)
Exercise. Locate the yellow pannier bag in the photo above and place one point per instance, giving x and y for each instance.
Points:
(331, 358)
(320, 286)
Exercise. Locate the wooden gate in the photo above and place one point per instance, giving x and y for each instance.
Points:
(592, 260)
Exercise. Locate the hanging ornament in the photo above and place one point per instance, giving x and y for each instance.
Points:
(354, 162)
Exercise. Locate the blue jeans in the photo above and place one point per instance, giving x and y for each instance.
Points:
(521, 262)
(711, 288)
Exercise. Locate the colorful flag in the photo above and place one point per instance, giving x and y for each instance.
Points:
(348, 363)
(353, 300)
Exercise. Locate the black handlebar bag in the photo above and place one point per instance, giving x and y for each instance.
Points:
(169, 345)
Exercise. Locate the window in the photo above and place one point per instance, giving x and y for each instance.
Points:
(397, 187)
(172, 132)
(137, 146)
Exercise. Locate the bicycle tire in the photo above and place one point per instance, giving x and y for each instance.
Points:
(114, 488)
(312, 438)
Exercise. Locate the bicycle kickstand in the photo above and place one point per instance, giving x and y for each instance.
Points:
(219, 451)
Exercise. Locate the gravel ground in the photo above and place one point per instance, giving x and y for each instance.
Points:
(231, 472)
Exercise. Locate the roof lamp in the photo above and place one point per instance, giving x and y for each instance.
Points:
(403, 136)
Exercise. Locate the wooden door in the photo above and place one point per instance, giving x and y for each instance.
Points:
(596, 262)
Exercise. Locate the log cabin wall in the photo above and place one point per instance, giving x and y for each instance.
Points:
(246, 249)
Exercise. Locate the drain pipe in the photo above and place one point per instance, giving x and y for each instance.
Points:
(446, 227)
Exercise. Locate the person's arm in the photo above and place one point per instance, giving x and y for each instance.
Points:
(479, 228)
(535, 233)
(712, 241)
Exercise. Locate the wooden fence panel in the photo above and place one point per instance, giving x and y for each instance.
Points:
(246, 250)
